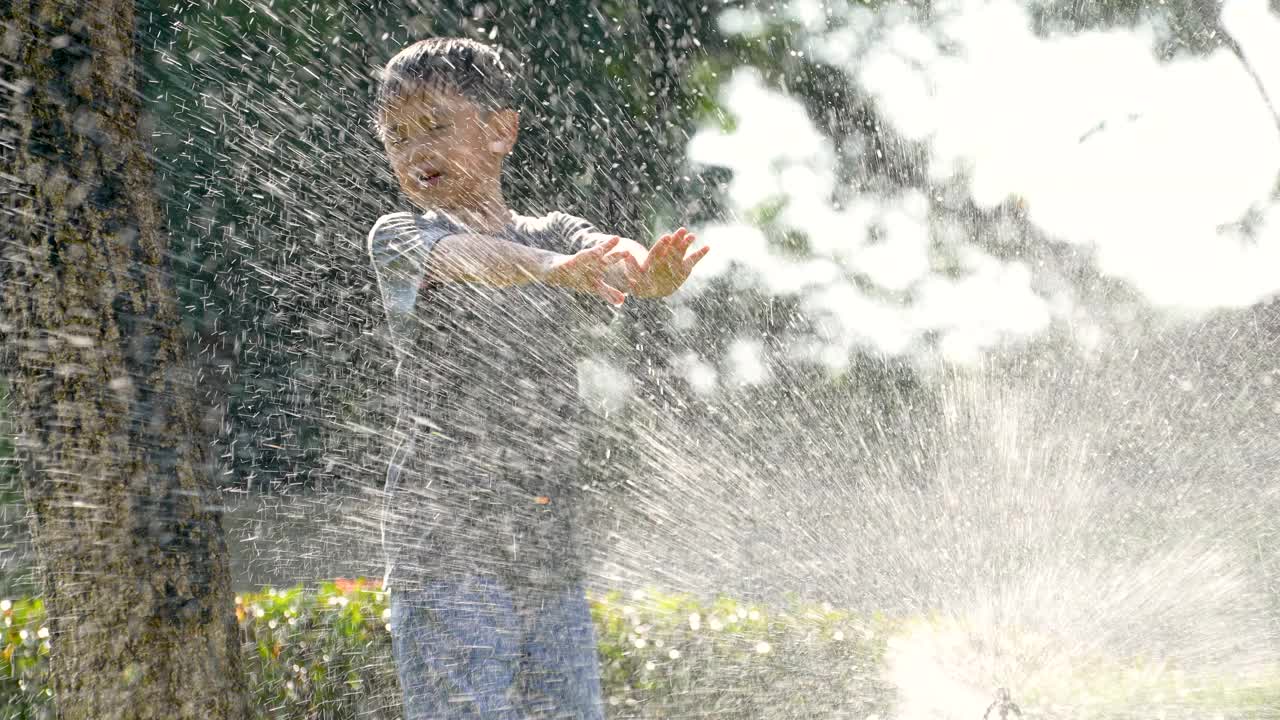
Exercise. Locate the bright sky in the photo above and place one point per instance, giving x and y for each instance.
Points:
(1149, 166)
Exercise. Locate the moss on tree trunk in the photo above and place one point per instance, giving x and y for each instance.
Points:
(125, 511)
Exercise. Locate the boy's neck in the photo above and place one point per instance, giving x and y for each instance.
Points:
(484, 212)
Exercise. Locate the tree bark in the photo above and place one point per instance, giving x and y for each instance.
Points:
(125, 513)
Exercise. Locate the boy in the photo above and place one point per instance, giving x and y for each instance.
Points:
(487, 310)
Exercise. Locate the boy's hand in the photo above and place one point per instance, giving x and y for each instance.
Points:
(667, 266)
(585, 271)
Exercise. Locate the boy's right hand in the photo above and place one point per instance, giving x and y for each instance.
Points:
(584, 271)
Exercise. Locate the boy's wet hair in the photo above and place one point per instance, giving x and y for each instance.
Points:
(472, 69)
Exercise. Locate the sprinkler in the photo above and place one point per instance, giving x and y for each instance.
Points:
(1003, 705)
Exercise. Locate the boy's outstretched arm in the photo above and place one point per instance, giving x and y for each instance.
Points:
(492, 261)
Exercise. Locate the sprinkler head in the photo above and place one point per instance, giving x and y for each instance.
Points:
(1002, 706)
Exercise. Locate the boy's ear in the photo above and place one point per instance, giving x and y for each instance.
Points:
(505, 126)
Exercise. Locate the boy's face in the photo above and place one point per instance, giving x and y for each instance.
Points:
(445, 149)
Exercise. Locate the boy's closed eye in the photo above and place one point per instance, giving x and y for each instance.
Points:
(400, 135)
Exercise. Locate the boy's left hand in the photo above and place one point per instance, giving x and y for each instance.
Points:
(666, 266)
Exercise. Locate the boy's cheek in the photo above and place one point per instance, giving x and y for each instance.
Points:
(397, 161)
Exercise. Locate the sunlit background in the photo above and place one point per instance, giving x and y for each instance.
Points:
(978, 387)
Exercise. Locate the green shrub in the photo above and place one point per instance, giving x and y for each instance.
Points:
(24, 660)
(673, 656)
(324, 653)
(320, 653)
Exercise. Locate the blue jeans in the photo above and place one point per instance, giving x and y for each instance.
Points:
(474, 649)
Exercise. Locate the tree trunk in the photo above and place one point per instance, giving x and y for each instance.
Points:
(126, 519)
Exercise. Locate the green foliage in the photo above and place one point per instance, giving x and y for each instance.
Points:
(325, 652)
(24, 659)
(675, 656)
(317, 653)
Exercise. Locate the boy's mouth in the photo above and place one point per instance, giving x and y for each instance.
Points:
(430, 179)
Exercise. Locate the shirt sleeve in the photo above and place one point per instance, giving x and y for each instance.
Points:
(573, 233)
(570, 234)
(399, 245)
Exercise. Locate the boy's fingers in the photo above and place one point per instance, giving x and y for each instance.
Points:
(659, 251)
(596, 251)
(685, 251)
(630, 265)
(610, 293)
(686, 243)
(683, 239)
(614, 257)
(607, 245)
(695, 257)
(593, 253)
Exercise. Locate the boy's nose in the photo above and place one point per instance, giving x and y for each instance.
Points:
(421, 153)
